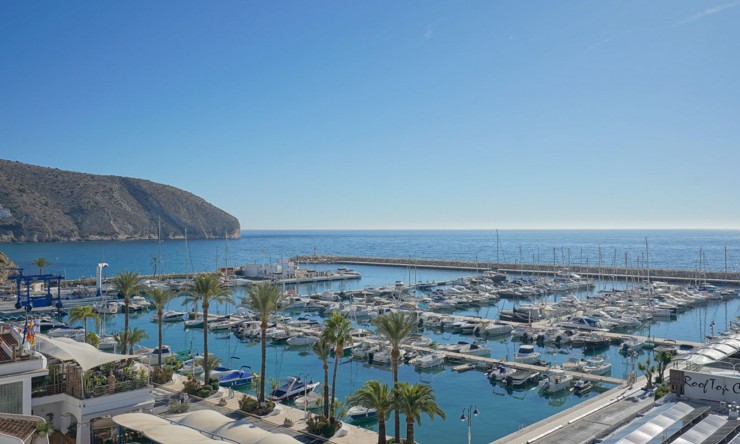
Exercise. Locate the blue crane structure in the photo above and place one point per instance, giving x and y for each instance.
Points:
(24, 298)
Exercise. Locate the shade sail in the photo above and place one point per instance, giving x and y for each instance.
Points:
(242, 432)
(160, 430)
(66, 349)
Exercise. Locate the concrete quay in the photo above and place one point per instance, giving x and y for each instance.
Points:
(622, 273)
(587, 421)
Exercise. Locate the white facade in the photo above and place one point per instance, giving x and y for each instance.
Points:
(281, 269)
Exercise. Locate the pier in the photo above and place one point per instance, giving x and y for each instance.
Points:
(461, 357)
(602, 272)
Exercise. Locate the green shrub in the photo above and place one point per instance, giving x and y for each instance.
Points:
(175, 406)
(321, 425)
(251, 405)
(661, 391)
(192, 386)
(205, 392)
(162, 375)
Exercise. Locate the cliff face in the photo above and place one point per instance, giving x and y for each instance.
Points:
(46, 204)
(5, 263)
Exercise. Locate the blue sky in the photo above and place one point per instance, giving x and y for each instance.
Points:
(417, 114)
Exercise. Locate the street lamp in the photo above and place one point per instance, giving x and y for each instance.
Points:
(471, 410)
(305, 380)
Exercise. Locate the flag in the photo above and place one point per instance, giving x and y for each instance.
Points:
(31, 333)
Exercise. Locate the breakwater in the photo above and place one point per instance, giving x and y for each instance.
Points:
(602, 272)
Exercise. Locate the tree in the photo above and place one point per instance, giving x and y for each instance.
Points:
(208, 363)
(322, 349)
(41, 263)
(264, 299)
(662, 359)
(338, 332)
(396, 327)
(412, 401)
(648, 370)
(207, 289)
(374, 395)
(83, 313)
(160, 298)
(134, 337)
(127, 284)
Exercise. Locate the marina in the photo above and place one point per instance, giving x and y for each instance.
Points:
(460, 310)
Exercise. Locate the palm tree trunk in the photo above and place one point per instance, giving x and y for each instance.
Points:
(326, 388)
(125, 325)
(85, 324)
(396, 417)
(263, 327)
(410, 430)
(334, 381)
(381, 428)
(159, 342)
(206, 370)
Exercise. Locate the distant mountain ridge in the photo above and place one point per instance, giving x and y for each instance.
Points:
(39, 204)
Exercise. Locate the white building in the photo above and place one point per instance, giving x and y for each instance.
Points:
(281, 269)
(62, 381)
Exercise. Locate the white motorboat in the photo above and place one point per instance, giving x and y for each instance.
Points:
(556, 380)
(172, 316)
(596, 366)
(475, 349)
(110, 307)
(500, 373)
(302, 340)
(360, 413)
(292, 387)
(312, 400)
(431, 360)
(497, 329)
(527, 354)
(152, 357)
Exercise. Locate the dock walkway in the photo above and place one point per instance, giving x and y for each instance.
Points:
(603, 272)
(461, 357)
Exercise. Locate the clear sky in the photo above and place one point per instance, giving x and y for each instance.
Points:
(373, 114)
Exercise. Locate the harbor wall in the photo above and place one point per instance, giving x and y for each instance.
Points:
(603, 272)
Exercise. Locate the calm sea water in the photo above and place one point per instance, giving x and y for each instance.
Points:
(501, 411)
(667, 248)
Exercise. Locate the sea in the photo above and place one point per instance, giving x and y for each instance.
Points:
(502, 410)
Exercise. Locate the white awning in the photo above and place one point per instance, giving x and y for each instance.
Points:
(160, 430)
(242, 432)
(66, 349)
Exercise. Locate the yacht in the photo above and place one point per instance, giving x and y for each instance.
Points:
(596, 366)
(302, 340)
(171, 316)
(582, 387)
(292, 387)
(497, 329)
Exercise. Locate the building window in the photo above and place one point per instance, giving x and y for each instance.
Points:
(11, 398)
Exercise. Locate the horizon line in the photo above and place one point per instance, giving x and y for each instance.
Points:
(502, 229)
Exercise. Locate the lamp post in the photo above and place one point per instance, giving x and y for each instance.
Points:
(305, 379)
(467, 414)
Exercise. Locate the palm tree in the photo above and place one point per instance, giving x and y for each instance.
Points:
(648, 370)
(207, 289)
(119, 336)
(41, 263)
(134, 337)
(264, 299)
(160, 298)
(662, 359)
(322, 349)
(374, 395)
(83, 313)
(338, 333)
(413, 400)
(396, 328)
(208, 363)
(127, 284)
